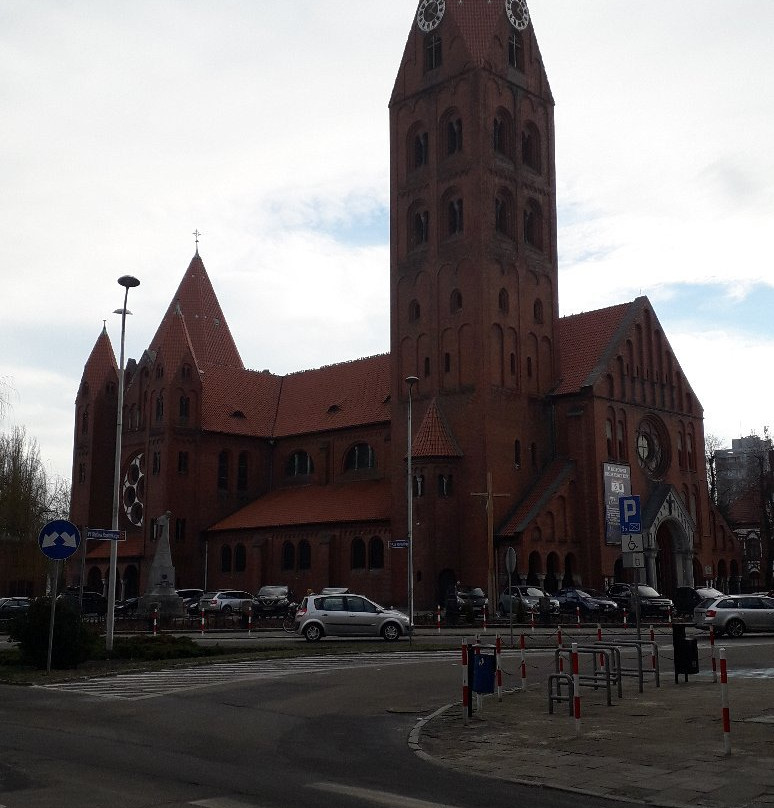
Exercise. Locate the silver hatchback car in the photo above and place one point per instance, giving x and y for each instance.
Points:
(348, 616)
(735, 614)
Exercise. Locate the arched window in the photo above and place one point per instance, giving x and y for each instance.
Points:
(240, 558)
(304, 555)
(533, 225)
(358, 554)
(225, 558)
(455, 301)
(184, 408)
(517, 453)
(414, 311)
(160, 407)
(530, 147)
(433, 52)
(376, 553)
(288, 556)
(360, 456)
(516, 50)
(454, 136)
(299, 464)
(427, 366)
(223, 471)
(419, 228)
(503, 215)
(85, 421)
(503, 301)
(537, 311)
(609, 438)
(455, 217)
(421, 150)
(242, 468)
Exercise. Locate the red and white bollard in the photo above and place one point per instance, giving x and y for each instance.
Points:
(465, 683)
(438, 617)
(560, 646)
(625, 624)
(249, 621)
(155, 622)
(712, 651)
(576, 689)
(532, 621)
(484, 619)
(599, 639)
(202, 621)
(498, 668)
(523, 671)
(724, 703)
(652, 650)
(670, 615)
(577, 615)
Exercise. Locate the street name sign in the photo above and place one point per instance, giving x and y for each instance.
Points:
(399, 544)
(104, 533)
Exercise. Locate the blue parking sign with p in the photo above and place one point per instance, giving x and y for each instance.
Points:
(629, 508)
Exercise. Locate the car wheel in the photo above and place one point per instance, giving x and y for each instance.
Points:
(734, 628)
(390, 631)
(226, 610)
(313, 632)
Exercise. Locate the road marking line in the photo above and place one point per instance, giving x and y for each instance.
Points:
(222, 802)
(377, 797)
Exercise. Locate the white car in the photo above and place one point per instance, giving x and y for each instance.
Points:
(225, 601)
(348, 616)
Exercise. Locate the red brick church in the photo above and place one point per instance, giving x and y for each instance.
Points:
(527, 426)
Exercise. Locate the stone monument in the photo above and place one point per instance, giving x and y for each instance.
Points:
(161, 595)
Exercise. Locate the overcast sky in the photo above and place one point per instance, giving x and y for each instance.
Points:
(127, 124)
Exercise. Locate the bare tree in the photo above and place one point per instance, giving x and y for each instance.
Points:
(712, 444)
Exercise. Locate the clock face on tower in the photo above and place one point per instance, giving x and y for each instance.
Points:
(518, 13)
(429, 14)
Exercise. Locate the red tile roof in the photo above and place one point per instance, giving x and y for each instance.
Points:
(364, 501)
(133, 547)
(239, 402)
(101, 365)
(434, 437)
(208, 330)
(334, 397)
(585, 342)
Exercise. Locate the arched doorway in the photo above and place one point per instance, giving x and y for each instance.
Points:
(569, 571)
(94, 580)
(535, 569)
(131, 582)
(446, 582)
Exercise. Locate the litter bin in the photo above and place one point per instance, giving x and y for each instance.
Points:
(484, 667)
(686, 650)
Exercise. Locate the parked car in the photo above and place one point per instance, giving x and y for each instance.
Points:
(10, 607)
(570, 600)
(87, 602)
(687, 598)
(128, 606)
(471, 598)
(652, 604)
(735, 614)
(348, 616)
(272, 601)
(191, 598)
(529, 598)
(225, 601)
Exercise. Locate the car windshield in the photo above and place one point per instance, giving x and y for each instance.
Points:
(582, 594)
(648, 592)
(270, 591)
(209, 595)
(475, 593)
(531, 592)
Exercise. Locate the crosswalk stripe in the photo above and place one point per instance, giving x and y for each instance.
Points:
(151, 684)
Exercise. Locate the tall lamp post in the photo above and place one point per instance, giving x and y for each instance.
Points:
(410, 381)
(128, 282)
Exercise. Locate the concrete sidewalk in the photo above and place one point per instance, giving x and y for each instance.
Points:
(664, 746)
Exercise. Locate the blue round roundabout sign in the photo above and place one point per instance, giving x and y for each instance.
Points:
(59, 539)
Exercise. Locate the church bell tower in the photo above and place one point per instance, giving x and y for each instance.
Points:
(473, 269)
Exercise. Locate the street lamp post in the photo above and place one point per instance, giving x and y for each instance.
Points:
(128, 282)
(410, 381)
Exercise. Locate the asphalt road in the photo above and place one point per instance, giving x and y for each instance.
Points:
(300, 732)
(334, 737)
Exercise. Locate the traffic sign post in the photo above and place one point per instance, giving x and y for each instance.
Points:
(632, 544)
(57, 540)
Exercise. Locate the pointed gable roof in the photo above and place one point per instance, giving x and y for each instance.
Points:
(557, 474)
(434, 437)
(208, 332)
(101, 365)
